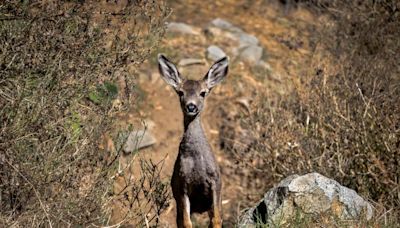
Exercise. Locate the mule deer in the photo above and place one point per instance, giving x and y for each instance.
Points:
(196, 183)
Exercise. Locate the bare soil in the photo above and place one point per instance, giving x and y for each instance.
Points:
(284, 38)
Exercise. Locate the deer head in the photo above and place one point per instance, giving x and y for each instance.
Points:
(192, 93)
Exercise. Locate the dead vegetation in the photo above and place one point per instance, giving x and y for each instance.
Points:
(66, 69)
(342, 118)
(64, 75)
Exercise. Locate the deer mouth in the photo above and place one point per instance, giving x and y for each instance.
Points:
(191, 110)
(192, 113)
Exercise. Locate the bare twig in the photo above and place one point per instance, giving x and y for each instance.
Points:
(34, 189)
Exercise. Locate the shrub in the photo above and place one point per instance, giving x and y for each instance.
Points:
(353, 106)
(65, 72)
(342, 119)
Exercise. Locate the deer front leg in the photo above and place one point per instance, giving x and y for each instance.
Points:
(215, 211)
(183, 212)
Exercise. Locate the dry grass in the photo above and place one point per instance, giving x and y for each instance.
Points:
(66, 69)
(342, 119)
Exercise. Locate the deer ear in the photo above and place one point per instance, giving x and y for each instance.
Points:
(168, 71)
(217, 72)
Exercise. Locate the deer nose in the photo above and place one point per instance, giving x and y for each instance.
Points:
(191, 107)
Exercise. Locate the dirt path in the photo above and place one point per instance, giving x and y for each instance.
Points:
(163, 109)
(162, 106)
(168, 121)
(168, 130)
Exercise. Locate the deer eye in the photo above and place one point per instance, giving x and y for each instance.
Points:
(180, 93)
(203, 94)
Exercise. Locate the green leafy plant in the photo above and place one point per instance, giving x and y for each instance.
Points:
(104, 93)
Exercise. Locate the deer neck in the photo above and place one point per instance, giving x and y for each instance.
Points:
(193, 134)
(192, 125)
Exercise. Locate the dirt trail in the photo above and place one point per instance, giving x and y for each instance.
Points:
(276, 34)
(168, 120)
(164, 111)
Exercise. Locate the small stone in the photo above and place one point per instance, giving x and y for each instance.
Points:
(138, 139)
(215, 53)
(148, 124)
(264, 66)
(247, 40)
(251, 54)
(245, 102)
(175, 27)
(218, 33)
(223, 24)
(189, 61)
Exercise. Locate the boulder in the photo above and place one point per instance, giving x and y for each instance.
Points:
(264, 66)
(251, 54)
(220, 28)
(225, 25)
(221, 34)
(245, 46)
(247, 40)
(309, 195)
(214, 53)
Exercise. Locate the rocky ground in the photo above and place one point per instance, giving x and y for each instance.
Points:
(266, 46)
(307, 113)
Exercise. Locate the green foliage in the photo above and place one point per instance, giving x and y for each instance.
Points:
(75, 127)
(104, 93)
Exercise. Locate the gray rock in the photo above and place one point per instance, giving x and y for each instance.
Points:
(189, 61)
(139, 139)
(243, 45)
(222, 28)
(223, 24)
(175, 27)
(218, 33)
(251, 54)
(264, 66)
(312, 195)
(214, 53)
(247, 40)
